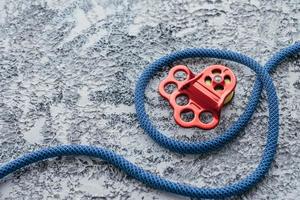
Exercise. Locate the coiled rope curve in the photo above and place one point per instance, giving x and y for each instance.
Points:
(263, 81)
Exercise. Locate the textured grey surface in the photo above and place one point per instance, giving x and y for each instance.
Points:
(68, 70)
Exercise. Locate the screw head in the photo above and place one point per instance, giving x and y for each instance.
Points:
(218, 79)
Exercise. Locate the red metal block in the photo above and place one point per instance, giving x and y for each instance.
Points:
(205, 94)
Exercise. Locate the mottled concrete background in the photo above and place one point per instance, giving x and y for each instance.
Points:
(68, 70)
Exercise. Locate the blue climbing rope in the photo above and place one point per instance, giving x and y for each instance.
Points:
(263, 81)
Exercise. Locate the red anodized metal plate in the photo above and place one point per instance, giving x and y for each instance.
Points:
(206, 93)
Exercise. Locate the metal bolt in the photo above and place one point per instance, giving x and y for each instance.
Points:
(218, 79)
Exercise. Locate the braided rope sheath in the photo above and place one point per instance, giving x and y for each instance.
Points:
(154, 181)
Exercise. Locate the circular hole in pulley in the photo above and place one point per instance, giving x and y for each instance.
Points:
(170, 87)
(187, 115)
(227, 79)
(216, 71)
(180, 75)
(219, 87)
(206, 117)
(182, 100)
(207, 80)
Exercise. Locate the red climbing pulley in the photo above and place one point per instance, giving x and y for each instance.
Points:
(203, 95)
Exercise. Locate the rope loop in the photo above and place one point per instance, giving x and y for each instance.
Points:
(263, 81)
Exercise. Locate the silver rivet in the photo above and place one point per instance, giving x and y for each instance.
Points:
(218, 78)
